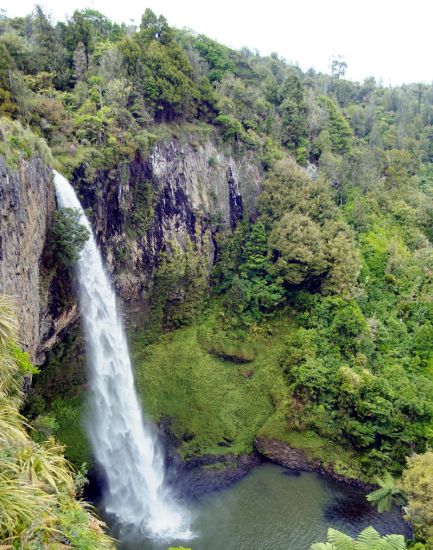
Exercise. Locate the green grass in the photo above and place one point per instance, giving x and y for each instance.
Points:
(213, 405)
(209, 400)
(17, 143)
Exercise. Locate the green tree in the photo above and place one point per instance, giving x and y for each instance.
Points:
(349, 329)
(288, 188)
(160, 69)
(7, 107)
(293, 111)
(344, 260)
(339, 130)
(417, 483)
(297, 249)
(69, 235)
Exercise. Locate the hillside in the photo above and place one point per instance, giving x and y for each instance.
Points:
(268, 231)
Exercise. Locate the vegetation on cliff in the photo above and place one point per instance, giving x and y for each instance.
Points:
(316, 326)
(38, 487)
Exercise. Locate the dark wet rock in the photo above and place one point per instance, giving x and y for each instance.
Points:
(201, 475)
(183, 198)
(296, 459)
(140, 209)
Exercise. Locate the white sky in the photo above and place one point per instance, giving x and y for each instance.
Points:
(388, 39)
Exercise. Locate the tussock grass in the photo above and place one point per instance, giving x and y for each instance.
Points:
(37, 485)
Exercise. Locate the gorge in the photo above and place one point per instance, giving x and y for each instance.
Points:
(226, 282)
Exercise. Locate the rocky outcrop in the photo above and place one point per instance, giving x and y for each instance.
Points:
(297, 459)
(176, 196)
(179, 194)
(281, 453)
(27, 202)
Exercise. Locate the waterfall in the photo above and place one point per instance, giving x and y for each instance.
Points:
(123, 444)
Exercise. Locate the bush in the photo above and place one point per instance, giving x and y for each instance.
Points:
(69, 235)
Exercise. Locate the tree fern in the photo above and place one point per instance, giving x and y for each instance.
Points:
(387, 495)
(368, 539)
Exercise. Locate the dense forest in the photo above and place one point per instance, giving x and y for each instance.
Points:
(320, 300)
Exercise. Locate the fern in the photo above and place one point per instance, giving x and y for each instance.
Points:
(387, 495)
(368, 539)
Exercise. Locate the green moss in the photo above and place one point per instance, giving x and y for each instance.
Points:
(69, 415)
(179, 289)
(142, 213)
(209, 400)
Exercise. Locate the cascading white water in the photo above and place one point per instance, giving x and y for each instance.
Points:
(122, 443)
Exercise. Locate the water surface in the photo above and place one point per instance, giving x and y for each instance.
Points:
(275, 509)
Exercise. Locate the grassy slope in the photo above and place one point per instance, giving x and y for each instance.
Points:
(209, 400)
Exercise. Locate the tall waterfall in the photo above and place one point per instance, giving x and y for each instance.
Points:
(123, 444)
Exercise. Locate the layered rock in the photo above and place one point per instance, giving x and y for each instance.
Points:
(27, 202)
(299, 460)
(185, 191)
(175, 197)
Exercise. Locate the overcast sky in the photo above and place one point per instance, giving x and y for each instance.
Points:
(388, 39)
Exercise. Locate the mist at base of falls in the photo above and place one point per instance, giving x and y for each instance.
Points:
(273, 508)
(123, 444)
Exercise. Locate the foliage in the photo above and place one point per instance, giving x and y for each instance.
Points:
(339, 255)
(417, 482)
(37, 504)
(340, 133)
(69, 235)
(297, 249)
(16, 143)
(387, 495)
(180, 288)
(368, 539)
(212, 404)
(243, 275)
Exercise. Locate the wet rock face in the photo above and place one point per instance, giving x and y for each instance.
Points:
(177, 195)
(281, 453)
(297, 459)
(27, 202)
(180, 193)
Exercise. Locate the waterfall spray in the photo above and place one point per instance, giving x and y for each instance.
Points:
(123, 444)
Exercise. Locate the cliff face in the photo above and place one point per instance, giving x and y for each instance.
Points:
(179, 194)
(27, 202)
(174, 198)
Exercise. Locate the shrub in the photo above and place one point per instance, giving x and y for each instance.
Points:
(69, 235)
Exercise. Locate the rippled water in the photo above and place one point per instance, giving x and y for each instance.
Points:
(274, 509)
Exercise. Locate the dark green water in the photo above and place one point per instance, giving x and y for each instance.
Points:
(273, 510)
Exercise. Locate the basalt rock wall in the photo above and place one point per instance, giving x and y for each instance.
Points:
(180, 193)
